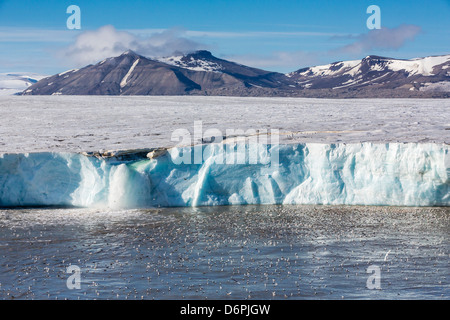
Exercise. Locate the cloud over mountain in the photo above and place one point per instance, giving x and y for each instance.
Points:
(384, 38)
(93, 46)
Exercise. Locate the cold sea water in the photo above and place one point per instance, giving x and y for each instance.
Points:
(226, 252)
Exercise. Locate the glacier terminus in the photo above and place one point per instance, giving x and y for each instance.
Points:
(335, 161)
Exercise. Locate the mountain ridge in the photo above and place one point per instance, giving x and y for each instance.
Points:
(201, 73)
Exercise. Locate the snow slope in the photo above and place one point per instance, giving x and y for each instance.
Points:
(191, 63)
(424, 66)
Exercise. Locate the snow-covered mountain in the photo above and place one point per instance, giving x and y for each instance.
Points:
(420, 74)
(201, 73)
(16, 82)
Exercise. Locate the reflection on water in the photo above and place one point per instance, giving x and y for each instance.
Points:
(234, 252)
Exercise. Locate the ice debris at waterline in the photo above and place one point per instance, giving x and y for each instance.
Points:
(394, 174)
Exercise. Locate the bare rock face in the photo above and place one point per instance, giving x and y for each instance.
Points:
(200, 73)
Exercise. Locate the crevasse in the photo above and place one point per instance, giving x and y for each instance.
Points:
(394, 174)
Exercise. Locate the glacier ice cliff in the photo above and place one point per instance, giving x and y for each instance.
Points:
(392, 174)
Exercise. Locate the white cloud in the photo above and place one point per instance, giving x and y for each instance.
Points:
(93, 46)
(384, 38)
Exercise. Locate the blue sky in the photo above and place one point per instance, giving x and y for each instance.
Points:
(276, 35)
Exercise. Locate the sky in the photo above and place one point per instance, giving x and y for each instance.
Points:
(276, 35)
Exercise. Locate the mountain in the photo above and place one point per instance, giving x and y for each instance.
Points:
(374, 72)
(15, 83)
(133, 74)
(200, 73)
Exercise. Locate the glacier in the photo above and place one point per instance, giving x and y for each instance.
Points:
(386, 174)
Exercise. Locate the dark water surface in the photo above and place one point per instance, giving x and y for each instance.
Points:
(234, 252)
